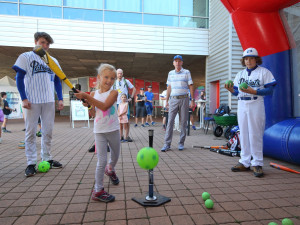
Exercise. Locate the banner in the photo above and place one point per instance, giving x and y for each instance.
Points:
(15, 102)
(79, 112)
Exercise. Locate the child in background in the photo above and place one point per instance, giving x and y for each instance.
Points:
(123, 119)
(106, 129)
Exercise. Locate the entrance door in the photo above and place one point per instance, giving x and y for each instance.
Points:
(214, 96)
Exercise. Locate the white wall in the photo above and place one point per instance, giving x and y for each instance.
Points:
(85, 35)
(225, 51)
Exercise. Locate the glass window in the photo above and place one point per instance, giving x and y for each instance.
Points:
(88, 4)
(122, 17)
(8, 8)
(83, 14)
(161, 20)
(193, 22)
(194, 8)
(124, 5)
(169, 7)
(44, 2)
(40, 11)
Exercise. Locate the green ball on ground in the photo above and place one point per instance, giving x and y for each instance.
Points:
(209, 204)
(272, 223)
(229, 83)
(205, 196)
(287, 221)
(243, 86)
(44, 166)
(147, 158)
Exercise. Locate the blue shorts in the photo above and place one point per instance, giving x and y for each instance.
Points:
(149, 109)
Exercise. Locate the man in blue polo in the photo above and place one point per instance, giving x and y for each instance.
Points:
(179, 83)
(149, 107)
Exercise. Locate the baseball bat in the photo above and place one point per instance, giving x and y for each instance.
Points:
(211, 147)
(54, 67)
(278, 166)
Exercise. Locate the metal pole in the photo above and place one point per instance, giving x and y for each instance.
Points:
(150, 172)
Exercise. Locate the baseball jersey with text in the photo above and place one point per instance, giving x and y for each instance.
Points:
(39, 78)
(259, 79)
(179, 82)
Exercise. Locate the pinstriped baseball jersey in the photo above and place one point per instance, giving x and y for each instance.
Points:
(258, 79)
(39, 78)
(179, 82)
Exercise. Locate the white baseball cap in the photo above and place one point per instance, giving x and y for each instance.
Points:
(250, 52)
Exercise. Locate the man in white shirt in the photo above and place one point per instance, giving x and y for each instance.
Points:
(123, 85)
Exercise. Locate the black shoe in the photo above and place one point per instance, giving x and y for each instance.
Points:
(108, 148)
(5, 131)
(24, 129)
(129, 139)
(257, 171)
(30, 171)
(92, 149)
(54, 164)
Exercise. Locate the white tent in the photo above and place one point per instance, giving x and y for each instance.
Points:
(9, 86)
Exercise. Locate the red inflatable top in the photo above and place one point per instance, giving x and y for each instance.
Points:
(260, 24)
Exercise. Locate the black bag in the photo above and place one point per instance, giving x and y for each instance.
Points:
(223, 109)
(6, 111)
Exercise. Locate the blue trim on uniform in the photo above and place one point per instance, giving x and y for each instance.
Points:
(16, 68)
(265, 91)
(271, 84)
(58, 88)
(20, 83)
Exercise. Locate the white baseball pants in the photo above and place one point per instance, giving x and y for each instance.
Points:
(251, 119)
(47, 113)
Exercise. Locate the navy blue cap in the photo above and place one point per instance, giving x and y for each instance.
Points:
(178, 57)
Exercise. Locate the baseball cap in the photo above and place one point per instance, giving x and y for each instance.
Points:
(142, 89)
(250, 52)
(178, 57)
(149, 86)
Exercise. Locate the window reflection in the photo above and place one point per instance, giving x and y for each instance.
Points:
(8, 9)
(182, 13)
(169, 7)
(87, 4)
(194, 8)
(83, 14)
(161, 20)
(122, 17)
(195, 22)
(44, 2)
(124, 5)
(40, 11)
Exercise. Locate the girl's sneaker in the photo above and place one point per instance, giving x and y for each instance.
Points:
(112, 176)
(102, 196)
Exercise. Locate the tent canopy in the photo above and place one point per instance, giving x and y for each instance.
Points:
(8, 85)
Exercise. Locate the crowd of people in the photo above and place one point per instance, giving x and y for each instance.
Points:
(110, 106)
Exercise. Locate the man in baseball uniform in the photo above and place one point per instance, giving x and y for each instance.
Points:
(251, 109)
(36, 83)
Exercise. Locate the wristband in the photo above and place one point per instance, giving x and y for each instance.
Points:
(90, 107)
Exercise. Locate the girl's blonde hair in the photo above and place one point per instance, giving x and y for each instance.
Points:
(103, 67)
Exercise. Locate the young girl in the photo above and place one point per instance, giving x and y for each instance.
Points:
(123, 119)
(106, 129)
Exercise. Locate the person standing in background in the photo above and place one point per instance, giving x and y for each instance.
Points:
(179, 82)
(123, 85)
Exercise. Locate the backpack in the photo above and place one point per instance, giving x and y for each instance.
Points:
(223, 109)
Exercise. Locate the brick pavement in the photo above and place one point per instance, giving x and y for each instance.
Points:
(62, 196)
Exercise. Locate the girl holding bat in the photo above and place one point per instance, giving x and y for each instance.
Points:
(106, 129)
